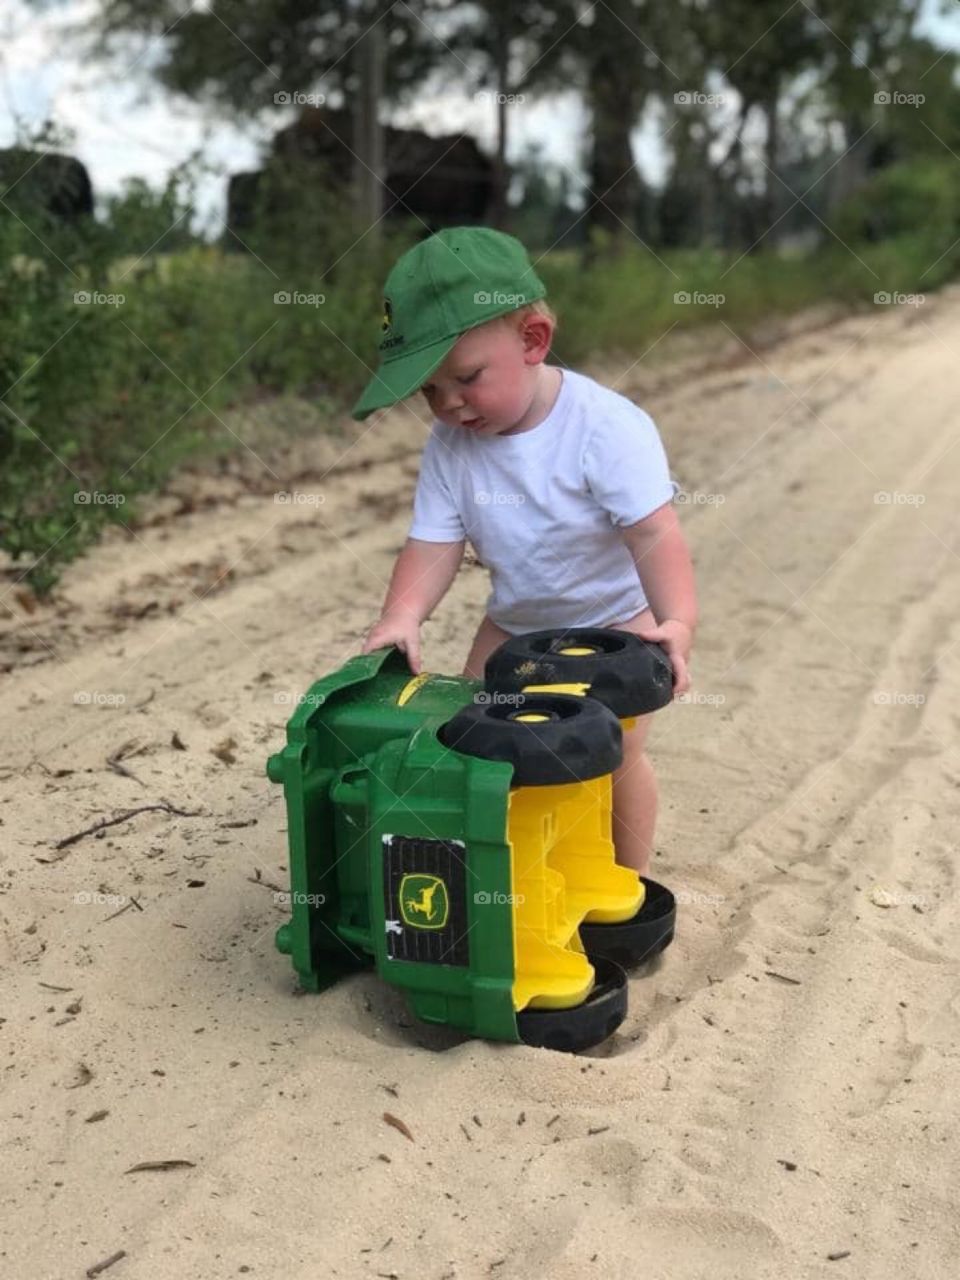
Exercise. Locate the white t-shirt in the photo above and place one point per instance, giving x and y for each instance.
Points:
(543, 508)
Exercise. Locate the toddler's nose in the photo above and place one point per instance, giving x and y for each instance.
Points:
(451, 402)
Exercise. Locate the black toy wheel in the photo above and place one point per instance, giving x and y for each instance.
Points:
(587, 1024)
(549, 738)
(639, 938)
(629, 675)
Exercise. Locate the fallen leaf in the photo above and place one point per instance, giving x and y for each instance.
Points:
(398, 1125)
(147, 1166)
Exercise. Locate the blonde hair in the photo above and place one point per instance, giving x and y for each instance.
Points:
(538, 308)
(541, 307)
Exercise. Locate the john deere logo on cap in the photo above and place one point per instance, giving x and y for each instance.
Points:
(390, 339)
(423, 901)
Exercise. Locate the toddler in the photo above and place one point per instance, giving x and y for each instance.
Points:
(560, 484)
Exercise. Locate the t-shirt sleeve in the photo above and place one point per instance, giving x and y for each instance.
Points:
(626, 466)
(436, 516)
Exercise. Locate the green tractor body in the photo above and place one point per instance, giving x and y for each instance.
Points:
(433, 865)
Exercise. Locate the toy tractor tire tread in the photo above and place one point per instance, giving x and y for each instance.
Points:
(629, 675)
(549, 738)
(587, 1024)
(640, 938)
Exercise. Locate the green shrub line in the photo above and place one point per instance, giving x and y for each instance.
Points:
(101, 399)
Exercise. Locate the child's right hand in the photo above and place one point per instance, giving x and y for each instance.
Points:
(401, 630)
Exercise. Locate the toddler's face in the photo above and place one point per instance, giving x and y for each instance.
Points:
(487, 382)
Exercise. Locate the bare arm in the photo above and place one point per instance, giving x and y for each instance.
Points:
(663, 562)
(422, 576)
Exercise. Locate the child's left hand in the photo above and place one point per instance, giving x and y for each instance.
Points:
(676, 637)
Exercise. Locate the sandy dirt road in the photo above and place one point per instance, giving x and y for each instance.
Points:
(784, 1088)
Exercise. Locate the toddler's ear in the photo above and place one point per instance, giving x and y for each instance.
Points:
(537, 334)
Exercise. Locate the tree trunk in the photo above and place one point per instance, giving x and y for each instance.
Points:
(773, 189)
(851, 171)
(368, 132)
(611, 96)
(498, 201)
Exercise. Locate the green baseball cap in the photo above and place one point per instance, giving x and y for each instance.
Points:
(445, 285)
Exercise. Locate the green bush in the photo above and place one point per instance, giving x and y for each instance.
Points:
(897, 201)
(119, 366)
(624, 304)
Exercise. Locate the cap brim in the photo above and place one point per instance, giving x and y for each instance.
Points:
(400, 376)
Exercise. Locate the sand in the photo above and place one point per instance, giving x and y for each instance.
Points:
(782, 1098)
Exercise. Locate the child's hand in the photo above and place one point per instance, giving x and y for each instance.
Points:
(400, 629)
(676, 637)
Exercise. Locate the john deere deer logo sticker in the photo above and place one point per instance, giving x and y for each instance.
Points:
(423, 901)
(390, 339)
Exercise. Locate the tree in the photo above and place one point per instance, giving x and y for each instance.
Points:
(249, 55)
(757, 47)
(870, 48)
(621, 70)
(507, 52)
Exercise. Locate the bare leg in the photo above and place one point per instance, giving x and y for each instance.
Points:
(635, 801)
(489, 637)
(635, 783)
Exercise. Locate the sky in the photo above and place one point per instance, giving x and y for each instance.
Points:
(124, 126)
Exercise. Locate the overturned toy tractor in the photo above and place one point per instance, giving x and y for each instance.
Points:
(456, 834)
